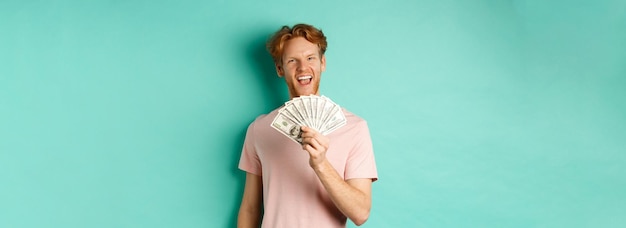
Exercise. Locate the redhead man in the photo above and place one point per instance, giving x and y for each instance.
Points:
(325, 180)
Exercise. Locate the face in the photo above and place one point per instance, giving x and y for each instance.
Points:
(302, 67)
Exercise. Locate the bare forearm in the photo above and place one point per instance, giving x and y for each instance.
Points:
(250, 210)
(352, 197)
(248, 219)
(352, 202)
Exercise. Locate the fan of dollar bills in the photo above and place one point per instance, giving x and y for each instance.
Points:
(317, 112)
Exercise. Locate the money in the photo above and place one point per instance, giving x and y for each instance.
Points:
(317, 112)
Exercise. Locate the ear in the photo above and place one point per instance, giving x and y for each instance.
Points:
(323, 64)
(279, 70)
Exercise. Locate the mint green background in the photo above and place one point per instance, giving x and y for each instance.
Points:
(482, 113)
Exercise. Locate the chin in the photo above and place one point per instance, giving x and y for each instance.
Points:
(303, 92)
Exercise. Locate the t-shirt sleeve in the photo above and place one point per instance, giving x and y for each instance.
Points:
(249, 160)
(361, 162)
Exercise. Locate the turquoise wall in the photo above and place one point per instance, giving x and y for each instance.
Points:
(484, 113)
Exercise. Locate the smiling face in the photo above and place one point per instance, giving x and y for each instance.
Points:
(302, 66)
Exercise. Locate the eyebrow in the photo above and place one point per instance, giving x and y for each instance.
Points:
(309, 55)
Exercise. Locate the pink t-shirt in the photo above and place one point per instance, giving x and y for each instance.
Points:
(293, 196)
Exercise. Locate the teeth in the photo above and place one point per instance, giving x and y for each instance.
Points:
(305, 77)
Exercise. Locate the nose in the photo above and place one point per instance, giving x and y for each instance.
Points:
(301, 65)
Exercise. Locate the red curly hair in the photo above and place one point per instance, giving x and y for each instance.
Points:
(275, 45)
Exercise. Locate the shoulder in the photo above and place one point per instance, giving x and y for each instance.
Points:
(263, 120)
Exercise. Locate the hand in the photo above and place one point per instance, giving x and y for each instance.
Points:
(315, 144)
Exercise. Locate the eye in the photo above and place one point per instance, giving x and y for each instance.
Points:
(311, 58)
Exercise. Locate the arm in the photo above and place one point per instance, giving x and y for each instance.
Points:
(251, 203)
(353, 196)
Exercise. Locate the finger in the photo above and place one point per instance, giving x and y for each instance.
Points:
(323, 140)
(318, 141)
(305, 129)
(318, 144)
(308, 148)
(314, 143)
(306, 140)
(308, 131)
(308, 135)
(309, 141)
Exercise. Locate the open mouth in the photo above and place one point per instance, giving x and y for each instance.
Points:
(304, 79)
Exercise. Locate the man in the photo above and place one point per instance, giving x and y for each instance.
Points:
(321, 182)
